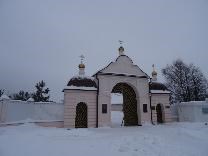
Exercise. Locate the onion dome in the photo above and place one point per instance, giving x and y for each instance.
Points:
(157, 86)
(82, 81)
(81, 65)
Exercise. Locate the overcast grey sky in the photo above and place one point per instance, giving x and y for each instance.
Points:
(43, 39)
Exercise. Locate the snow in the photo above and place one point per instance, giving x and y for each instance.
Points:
(80, 88)
(82, 77)
(173, 139)
(4, 97)
(160, 91)
(116, 118)
(116, 98)
(194, 103)
(30, 99)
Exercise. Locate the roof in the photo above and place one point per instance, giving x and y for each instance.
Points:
(157, 86)
(80, 88)
(103, 69)
(82, 81)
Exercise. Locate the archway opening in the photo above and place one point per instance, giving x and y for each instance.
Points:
(159, 113)
(81, 115)
(129, 107)
(116, 109)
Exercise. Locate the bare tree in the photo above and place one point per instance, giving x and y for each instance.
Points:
(186, 82)
(198, 84)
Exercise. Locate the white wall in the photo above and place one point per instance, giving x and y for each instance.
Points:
(15, 110)
(192, 111)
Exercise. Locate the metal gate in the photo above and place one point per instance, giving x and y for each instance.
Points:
(81, 116)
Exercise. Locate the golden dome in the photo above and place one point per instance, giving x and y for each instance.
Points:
(81, 65)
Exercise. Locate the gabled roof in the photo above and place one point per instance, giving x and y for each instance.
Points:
(122, 66)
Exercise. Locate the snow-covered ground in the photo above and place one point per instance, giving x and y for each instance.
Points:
(174, 139)
(116, 118)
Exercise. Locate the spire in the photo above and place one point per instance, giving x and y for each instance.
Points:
(82, 66)
(154, 73)
(121, 48)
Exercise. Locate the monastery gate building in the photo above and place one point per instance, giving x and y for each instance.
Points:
(87, 100)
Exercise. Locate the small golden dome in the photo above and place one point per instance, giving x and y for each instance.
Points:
(81, 65)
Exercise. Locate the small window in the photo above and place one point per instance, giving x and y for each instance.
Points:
(104, 108)
(145, 108)
(167, 107)
(153, 107)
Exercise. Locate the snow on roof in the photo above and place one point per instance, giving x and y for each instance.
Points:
(4, 97)
(82, 77)
(79, 88)
(160, 91)
(194, 103)
(82, 81)
(30, 100)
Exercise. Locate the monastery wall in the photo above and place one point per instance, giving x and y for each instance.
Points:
(17, 110)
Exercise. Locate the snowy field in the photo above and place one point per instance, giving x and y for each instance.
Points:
(175, 139)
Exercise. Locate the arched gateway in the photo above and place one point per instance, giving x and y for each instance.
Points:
(129, 103)
(141, 94)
